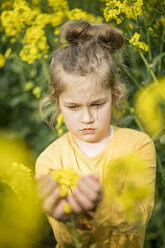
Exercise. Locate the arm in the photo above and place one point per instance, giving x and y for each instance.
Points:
(83, 199)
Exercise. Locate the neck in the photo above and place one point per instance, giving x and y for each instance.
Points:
(95, 148)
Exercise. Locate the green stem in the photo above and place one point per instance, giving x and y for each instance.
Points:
(138, 123)
(148, 67)
(161, 50)
(131, 77)
(160, 166)
(148, 41)
(75, 236)
(45, 69)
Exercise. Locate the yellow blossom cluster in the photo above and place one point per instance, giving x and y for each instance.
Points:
(66, 178)
(22, 15)
(115, 9)
(28, 86)
(59, 124)
(37, 92)
(135, 41)
(30, 21)
(124, 183)
(2, 60)
(36, 44)
(21, 214)
(58, 5)
(147, 106)
(80, 14)
(15, 176)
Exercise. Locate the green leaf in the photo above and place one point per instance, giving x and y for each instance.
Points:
(126, 121)
(157, 58)
(162, 139)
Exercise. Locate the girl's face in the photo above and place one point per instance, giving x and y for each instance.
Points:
(86, 109)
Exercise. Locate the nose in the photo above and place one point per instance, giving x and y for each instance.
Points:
(86, 116)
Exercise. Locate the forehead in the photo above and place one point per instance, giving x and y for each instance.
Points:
(83, 88)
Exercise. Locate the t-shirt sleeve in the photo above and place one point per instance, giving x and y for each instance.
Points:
(48, 160)
(114, 215)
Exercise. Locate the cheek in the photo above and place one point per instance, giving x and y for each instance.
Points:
(104, 114)
(70, 119)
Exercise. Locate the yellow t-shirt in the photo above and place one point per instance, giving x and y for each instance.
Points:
(109, 228)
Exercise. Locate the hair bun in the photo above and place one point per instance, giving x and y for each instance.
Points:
(78, 31)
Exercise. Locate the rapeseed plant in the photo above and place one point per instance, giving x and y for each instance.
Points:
(147, 103)
(124, 183)
(65, 178)
(20, 216)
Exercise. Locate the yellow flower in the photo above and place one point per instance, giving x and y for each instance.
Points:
(124, 183)
(57, 31)
(37, 92)
(67, 177)
(58, 5)
(7, 53)
(151, 29)
(60, 131)
(80, 14)
(2, 60)
(36, 2)
(131, 9)
(135, 39)
(67, 208)
(60, 119)
(162, 20)
(13, 40)
(147, 105)
(143, 46)
(130, 25)
(63, 191)
(29, 85)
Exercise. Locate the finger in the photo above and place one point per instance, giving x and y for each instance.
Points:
(51, 201)
(38, 176)
(94, 176)
(90, 188)
(45, 187)
(74, 204)
(92, 181)
(86, 190)
(58, 211)
(42, 180)
(83, 201)
(47, 190)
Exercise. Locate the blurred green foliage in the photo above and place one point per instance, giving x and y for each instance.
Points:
(24, 77)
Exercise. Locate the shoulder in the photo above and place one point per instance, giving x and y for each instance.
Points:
(56, 145)
(127, 141)
(133, 140)
(132, 135)
(50, 156)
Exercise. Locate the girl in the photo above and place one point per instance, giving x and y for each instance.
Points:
(85, 87)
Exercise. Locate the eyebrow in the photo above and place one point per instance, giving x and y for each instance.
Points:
(94, 101)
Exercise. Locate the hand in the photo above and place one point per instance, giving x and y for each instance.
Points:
(49, 195)
(87, 195)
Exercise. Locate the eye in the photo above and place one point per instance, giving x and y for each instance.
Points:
(73, 107)
(97, 105)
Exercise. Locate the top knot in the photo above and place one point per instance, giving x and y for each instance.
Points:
(82, 32)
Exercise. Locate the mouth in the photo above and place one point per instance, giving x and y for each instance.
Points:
(88, 130)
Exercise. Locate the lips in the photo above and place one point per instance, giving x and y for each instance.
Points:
(88, 130)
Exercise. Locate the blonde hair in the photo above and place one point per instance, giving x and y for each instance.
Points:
(87, 49)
